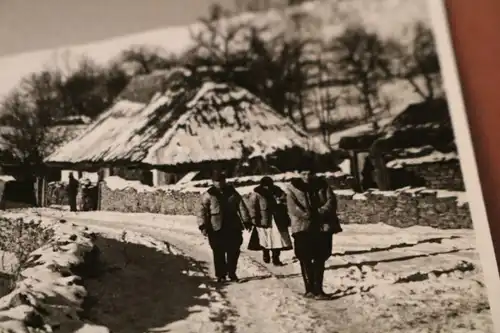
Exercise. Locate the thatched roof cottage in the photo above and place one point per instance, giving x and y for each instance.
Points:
(423, 132)
(175, 122)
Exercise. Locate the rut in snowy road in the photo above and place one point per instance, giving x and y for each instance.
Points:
(259, 304)
(371, 275)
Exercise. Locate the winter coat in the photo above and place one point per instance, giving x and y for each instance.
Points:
(312, 207)
(222, 209)
(264, 204)
(73, 186)
(327, 207)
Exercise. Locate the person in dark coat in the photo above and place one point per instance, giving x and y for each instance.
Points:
(222, 217)
(72, 192)
(312, 207)
(271, 221)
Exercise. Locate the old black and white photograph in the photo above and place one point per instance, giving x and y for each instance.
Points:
(233, 166)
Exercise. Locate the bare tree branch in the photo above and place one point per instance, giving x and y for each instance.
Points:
(148, 58)
(419, 61)
(364, 61)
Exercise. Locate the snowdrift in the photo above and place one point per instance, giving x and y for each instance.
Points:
(49, 295)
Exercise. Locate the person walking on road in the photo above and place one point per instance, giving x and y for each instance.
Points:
(72, 192)
(222, 217)
(271, 221)
(312, 207)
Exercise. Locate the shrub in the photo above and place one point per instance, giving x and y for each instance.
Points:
(20, 237)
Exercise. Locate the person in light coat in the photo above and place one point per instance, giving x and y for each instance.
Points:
(222, 217)
(312, 207)
(271, 221)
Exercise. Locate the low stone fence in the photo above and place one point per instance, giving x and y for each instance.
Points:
(427, 167)
(401, 208)
(440, 175)
(406, 207)
(57, 194)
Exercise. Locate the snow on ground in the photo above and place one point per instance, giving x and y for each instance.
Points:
(157, 285)
(382, 278)
(48, 294)
(8, 262)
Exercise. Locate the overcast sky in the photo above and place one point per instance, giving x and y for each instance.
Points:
(29, 25)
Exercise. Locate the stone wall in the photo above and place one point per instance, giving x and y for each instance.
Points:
(441, 175)
(402, 208)
(406, 207)
(56, 194)
(438, 175)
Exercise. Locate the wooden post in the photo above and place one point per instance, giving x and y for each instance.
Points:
(99, 193)
(382, 176)
(44, 191)
(355, 170)
(106, 172)
(40, 191)
(156, 176)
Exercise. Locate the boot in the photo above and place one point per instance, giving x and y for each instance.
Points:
(266, 257)
(319, 273)
(276, 258)
(305, 269)
(233, 277)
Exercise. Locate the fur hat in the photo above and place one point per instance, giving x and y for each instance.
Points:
(266, 181)
(218, 176)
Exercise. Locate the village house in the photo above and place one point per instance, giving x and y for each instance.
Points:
(415, 149)
(21, 187)
(170, 125)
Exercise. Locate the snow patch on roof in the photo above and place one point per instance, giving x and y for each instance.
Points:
(187, 124)
(434, 157)
(6, 178)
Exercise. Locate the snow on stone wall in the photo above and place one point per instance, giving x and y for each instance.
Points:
(57, 195)
(439, 174)
(49, 295)
(401, 208)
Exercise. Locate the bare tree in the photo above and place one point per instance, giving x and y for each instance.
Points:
(90, 89)
(147, 58)
(277, 64)
(324, 103)
(363, 59)
(218, 43)
(267, 59)
(419, 61)
(264, 5)
(28, 116)
(253, 5)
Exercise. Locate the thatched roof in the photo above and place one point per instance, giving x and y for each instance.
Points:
(420, 124)
(434, 112)
(187, 122)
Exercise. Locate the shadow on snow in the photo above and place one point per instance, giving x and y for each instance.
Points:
(138, 288)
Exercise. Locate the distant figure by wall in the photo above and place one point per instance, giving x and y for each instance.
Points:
(72, 192)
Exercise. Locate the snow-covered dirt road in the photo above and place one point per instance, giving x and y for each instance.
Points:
(384, 279)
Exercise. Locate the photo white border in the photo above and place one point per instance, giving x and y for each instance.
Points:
(452, 86)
